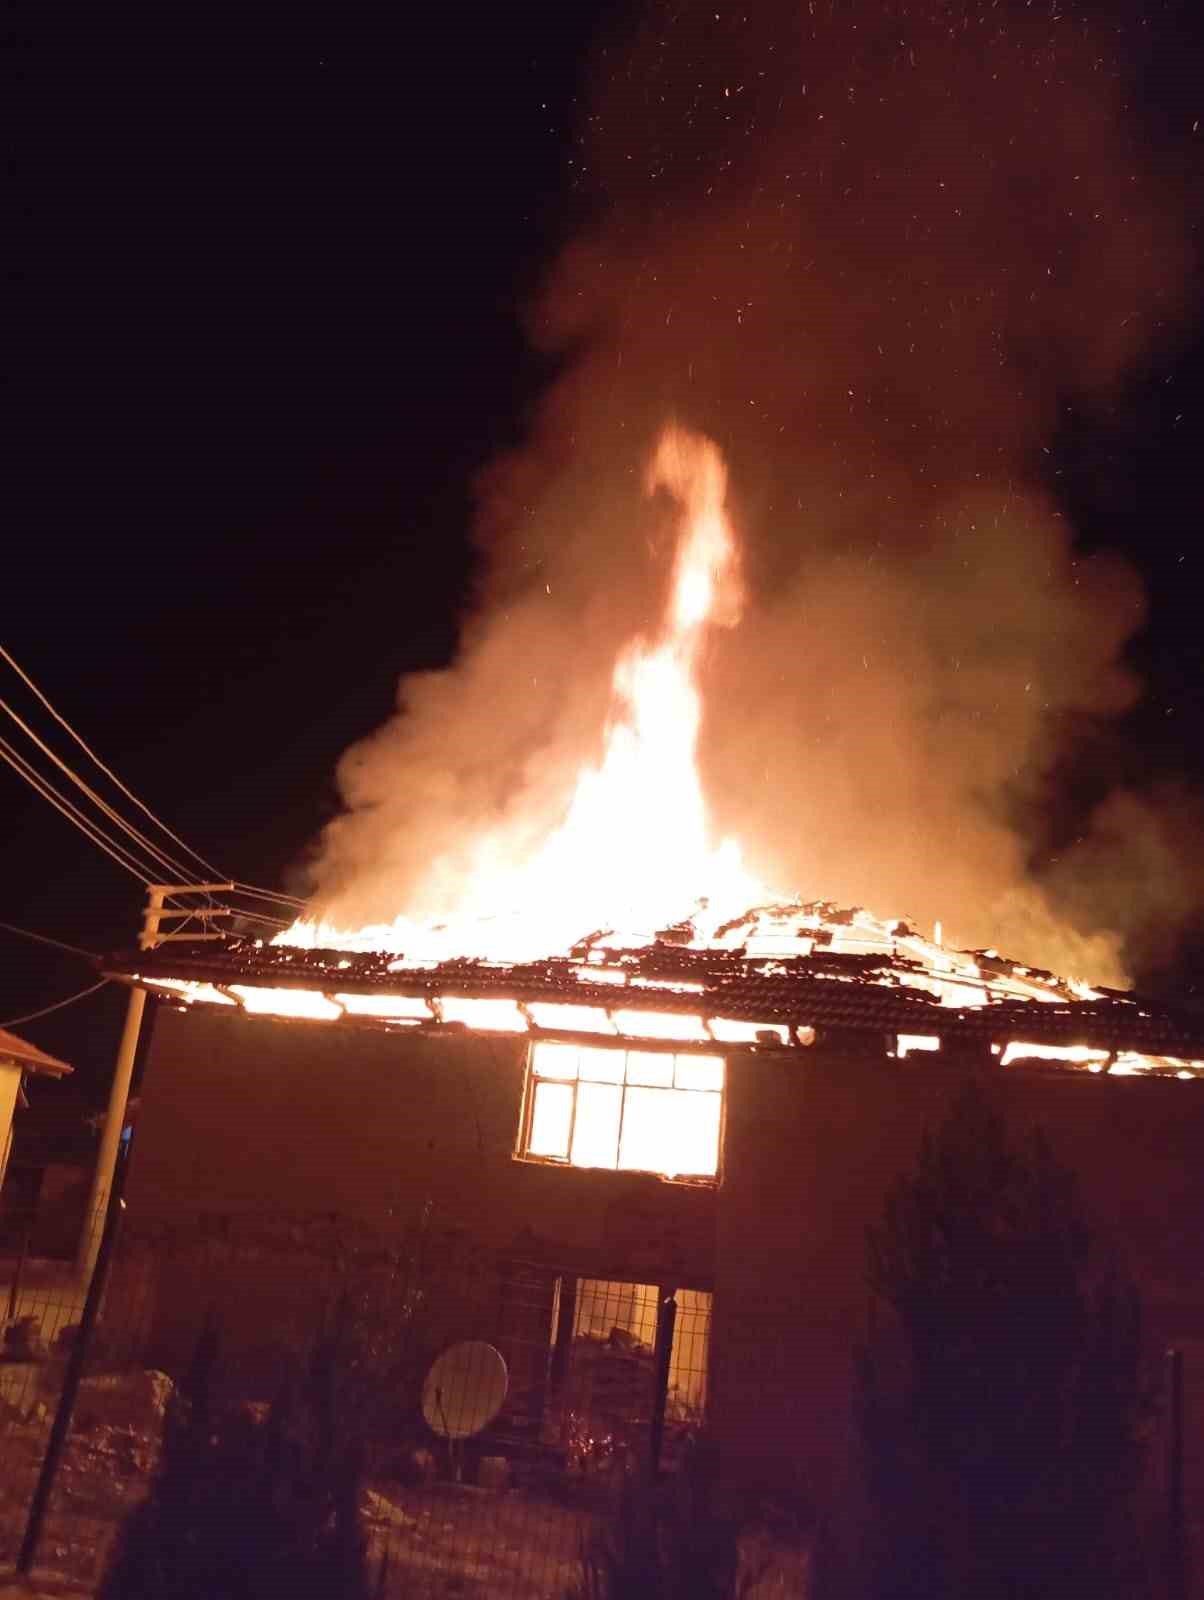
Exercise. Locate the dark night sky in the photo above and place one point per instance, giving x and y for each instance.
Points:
(270, 291)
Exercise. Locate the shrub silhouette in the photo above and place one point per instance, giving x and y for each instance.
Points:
(246, 1504)
(1003, 1400)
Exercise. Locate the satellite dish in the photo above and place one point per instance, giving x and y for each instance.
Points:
(464, 1389)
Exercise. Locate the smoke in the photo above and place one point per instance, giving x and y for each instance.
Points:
(870, 249)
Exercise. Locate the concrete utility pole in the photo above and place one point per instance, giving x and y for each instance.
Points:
(119, 1094)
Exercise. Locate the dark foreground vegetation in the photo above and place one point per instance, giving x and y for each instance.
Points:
(249, 1503)
(1004, 1415)
(1005, 1406)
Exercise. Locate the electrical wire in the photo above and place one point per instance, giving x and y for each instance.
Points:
(32, 1016)
(73, 814)
(87, 825)
(108, 772)
(41, 938)
(121, 854)
(125, 856)
(158, 856)
(271, 894)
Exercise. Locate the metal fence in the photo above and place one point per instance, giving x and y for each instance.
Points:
(493, 1487)
(111, 1450)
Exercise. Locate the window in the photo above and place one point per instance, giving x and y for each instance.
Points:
(630, 1110)
(584, 1376)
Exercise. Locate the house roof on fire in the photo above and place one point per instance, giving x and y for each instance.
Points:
(780, 977)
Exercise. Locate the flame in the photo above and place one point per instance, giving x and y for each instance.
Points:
(634, 852)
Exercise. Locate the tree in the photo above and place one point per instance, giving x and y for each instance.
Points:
(1003, 1399)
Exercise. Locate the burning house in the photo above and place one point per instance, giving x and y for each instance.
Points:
(660, 1119)
(663, 1158)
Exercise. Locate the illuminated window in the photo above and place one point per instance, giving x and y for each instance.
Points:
(629, 1110)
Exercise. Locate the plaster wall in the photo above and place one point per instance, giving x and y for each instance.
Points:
(246, 1117)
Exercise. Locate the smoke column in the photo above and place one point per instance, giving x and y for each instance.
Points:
(869, 249)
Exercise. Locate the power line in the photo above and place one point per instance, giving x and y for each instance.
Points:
(41, 938)
(87, 825)
(108, 771)
(271, 894)
(123, 854)
(261, 916)
(32, 1016)
(157, 855)
(74, 815)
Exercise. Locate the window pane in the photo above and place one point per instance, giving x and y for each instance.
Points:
(695, 1134)
(554, 1060)
(602, 1066)
(671, 1131)
(649, 1067)
(596, 1134)
(647, 1130)
(602, 1307)
(551, 1119)
(699, 1072)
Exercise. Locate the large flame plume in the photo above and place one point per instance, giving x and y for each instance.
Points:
(874, 252)
(635, 850)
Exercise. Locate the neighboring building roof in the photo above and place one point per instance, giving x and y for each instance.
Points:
(29, 1056)
(778, 976)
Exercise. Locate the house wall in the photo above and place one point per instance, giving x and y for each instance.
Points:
(242, 1117)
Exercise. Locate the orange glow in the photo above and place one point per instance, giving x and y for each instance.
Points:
(286, 1003)
(660, 1025)
(387, 1007)
(570, 1019)
(1080, 1054)
(490, 1016)
(192, 991)
(634, 851)
(730, 1031)
(907, 1042)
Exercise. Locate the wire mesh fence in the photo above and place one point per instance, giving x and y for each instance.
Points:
(111, 1449)
(500, 1407)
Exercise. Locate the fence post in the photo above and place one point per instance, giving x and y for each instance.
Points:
(666, 1322)
(74, 1373)
(1176, 1541)
(14, 1288)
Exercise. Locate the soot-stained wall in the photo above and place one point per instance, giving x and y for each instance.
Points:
(243, 1117)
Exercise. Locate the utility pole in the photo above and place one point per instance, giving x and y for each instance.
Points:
(119, 1094)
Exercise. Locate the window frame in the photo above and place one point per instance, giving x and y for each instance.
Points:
(672, 1049)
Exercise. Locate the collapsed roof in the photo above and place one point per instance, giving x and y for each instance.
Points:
(780, 976)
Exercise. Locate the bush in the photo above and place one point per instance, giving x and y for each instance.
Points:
(246, 1504)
